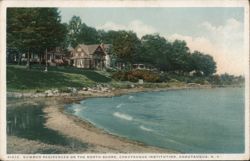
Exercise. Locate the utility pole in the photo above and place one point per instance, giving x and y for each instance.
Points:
(28, 59)
(46, 60)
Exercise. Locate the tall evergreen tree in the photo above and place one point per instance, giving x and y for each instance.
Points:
(34, 29)
(88, 35)
(155, 51)
(179, 56)
(74, 28)
(125, 45)
(202, 63)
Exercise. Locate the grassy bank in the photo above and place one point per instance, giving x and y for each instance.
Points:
(21, 79)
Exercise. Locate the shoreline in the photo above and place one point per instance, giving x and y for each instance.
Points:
(99, 140)
(103, 93)
(66, 124)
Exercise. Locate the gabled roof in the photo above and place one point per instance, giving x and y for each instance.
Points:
(57, 51)
(89, 49)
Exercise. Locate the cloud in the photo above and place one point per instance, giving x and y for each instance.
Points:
(228, 35)
(225, 61)
(223, 42)
(137, 26)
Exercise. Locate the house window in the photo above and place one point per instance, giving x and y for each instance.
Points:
(86, 63)
(77, 62)
(82, 63)
(79, 49)
(57, 49)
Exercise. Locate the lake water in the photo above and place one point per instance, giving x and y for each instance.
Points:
(188, 121)
(25, 119)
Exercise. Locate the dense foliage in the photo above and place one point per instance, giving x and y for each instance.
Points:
(135, 75)
(79, 33)
(152, 50)
(34, 30)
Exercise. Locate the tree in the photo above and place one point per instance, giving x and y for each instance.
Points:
(52, 32)
(155, 50)
(179, 56)
(202, 63)
(125, 45)
(66, 40)
(21, 30)
(87, 35)
(34, 29)
(104, 37)
(79, 32)
(74, 28)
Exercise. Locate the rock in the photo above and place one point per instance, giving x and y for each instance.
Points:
(16, 95)
(49, 93)
(99, 87)
(140, 81)
(89, 89)
(55, 91)
(64, 94)
(82, 92)
(85, 89)
(132, 86)
(104, 89)
(74, 90)
(27, 94)
(39, 95)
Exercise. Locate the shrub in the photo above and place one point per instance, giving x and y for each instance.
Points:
(164, 77)
(135, 75)
(119, 76)
(111, 70)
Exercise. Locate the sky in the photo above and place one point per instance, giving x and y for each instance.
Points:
(217, 31)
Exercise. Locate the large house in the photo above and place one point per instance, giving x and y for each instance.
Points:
(83, 56)
(91, 56)
(55, 56)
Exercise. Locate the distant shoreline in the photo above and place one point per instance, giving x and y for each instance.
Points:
(113, 92)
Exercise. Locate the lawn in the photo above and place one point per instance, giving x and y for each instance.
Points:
(21, 79)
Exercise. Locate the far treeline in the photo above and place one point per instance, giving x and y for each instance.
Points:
(152, 50)
(39, 29)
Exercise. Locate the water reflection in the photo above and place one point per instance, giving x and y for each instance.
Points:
(26, 120)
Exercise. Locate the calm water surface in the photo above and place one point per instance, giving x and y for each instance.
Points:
(25, 119)
(189, 121)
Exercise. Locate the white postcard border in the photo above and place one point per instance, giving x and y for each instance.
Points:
(123, 3)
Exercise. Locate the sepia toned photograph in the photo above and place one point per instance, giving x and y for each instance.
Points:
(124, 80)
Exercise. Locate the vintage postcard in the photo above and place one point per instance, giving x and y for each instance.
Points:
(124, 80)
